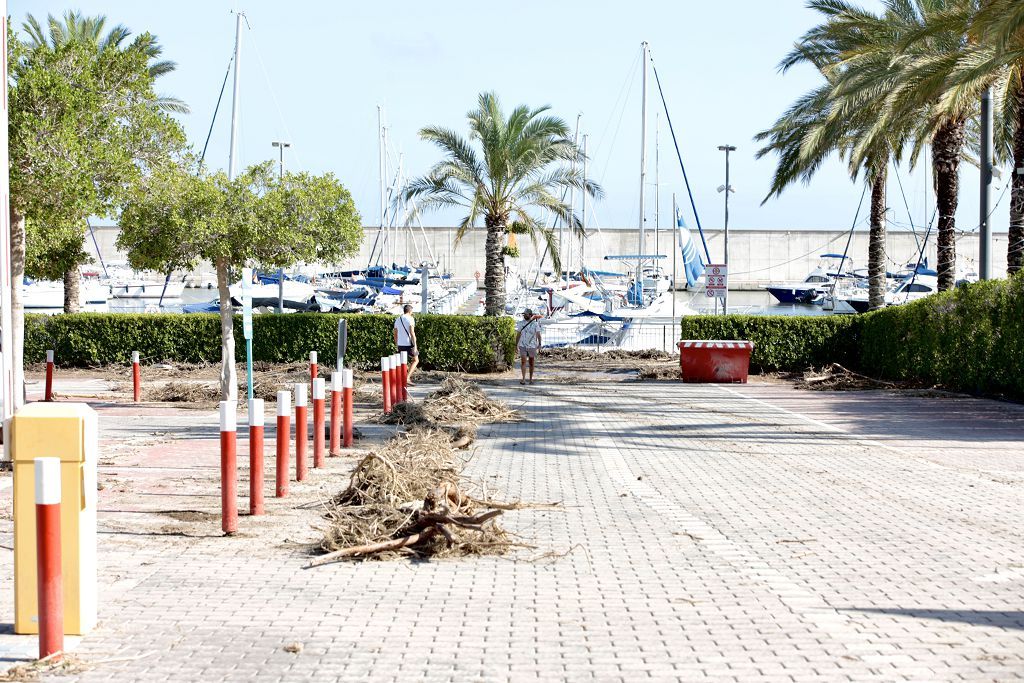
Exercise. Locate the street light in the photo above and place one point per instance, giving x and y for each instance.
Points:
(727, 189)
(281, 148)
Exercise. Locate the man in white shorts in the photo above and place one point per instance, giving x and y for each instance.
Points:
(527, 342)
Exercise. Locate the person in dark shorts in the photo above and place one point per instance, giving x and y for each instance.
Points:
(405, 338)
(527, 342)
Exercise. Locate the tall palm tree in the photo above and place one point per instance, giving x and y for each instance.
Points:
(821, 123)
(520, 168)
(906, 66)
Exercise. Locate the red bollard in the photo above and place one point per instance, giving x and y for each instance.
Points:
(49, 581)
(136, 377)
(48, 394)
(403, 366)
(336, 389)
(255, 456)
(319, 400)
(385, 379)
(228, 468)
(301, 432)
(346, 384)
(395, 391)
(283, 438)
(314, 370)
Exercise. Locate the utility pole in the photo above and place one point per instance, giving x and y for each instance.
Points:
(281, 146)
(985, 227)
(727, 188)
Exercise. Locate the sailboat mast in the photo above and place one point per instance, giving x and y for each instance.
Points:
(233, 149)
(657, 184)
(380, 163)
(643, 162)
(583, 210)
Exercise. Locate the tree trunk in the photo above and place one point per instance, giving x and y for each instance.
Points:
(228, 378)
(876, 247)
(17, 306)
(947, 145)
(1015, 249)
(72, 284)
(494, 271)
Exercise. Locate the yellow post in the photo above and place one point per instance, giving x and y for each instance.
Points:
(68, 431)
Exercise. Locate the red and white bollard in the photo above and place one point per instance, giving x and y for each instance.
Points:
(396, 394)
(404, 365)
(136, 377)
(385, 380)
(314, 370)
(48, 394)
(334, 447)
(49, 581)
(228, 468)
(346, 391)
(283, 438)
(319, 406)
(255, 456)
(301, 432)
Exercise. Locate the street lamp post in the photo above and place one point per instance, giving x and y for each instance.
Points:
(727, 188)
(281, 146)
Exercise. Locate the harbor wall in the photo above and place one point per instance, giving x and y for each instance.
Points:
(756, 256)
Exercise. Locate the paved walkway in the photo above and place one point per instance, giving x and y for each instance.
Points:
(751, 533)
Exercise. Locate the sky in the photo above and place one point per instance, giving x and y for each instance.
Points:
(314, 73)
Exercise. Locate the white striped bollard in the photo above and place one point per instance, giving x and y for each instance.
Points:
(395, 394)
(49, 582)
(334, 447)
(404, 364)
(256, 456)
(283, 438)
(48, 392)
(301, 432)
(228, 468)
(385, 380)
(136, 377)
(319, 400)
(346, 391)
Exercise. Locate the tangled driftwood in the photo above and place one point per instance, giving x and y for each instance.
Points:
(456, 400)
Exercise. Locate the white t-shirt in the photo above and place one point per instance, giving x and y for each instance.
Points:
(529, 337)
(405, 330)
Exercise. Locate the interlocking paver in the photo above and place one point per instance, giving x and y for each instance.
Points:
(707, 533)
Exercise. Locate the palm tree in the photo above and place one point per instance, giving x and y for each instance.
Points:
(906, 65)
(75, 28)
(822, 123)
(519, 169)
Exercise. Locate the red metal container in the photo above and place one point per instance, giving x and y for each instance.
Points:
(715, 361)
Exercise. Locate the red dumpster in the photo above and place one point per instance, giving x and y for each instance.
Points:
(715, 360)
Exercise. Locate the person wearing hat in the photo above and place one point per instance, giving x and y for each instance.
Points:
(527, 342)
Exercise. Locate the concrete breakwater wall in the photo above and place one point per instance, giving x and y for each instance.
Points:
(756, 256)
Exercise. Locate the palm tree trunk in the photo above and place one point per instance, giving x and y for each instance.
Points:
(876, 243)
(947, 146)
(72, 284)
(17, 306)
(494, 271)
(228, 378)
(1015, 249)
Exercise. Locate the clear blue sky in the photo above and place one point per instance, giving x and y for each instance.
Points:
(313, 73)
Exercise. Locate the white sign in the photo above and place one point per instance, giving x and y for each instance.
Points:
(247, 303)
(716, 280)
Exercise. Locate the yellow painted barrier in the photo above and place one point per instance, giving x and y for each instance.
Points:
(68, 431)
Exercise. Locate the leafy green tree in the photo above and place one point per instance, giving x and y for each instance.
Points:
(176, 217)
(520, 168)
(820, 124)
(135, 133)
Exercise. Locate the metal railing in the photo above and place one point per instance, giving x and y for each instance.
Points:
(597, 335)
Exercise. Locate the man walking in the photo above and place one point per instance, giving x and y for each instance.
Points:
(527, 342)
(405, 338)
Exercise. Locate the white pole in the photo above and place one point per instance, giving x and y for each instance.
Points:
(643, 162)
(657, 183)
(7, 388)
(675, 249)
(566, 262)
(583, 209)
(233, 150)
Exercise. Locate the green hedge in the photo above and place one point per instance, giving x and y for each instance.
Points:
(968, 339)
(467, 343)
(783, 342)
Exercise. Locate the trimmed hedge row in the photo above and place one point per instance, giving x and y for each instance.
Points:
(446, 342)
(785, 343)
(968, 339)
